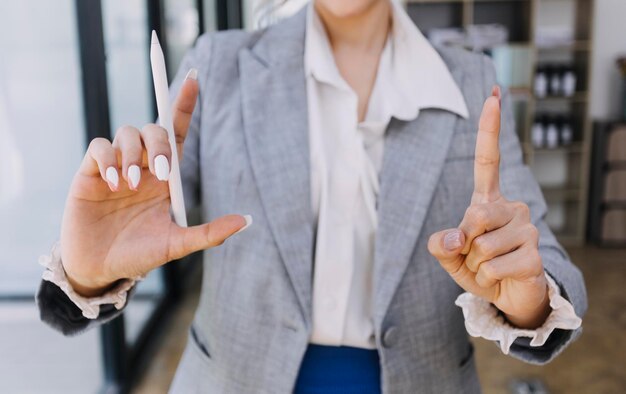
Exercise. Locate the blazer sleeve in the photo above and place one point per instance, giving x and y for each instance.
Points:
(55, 307)
(518, 183)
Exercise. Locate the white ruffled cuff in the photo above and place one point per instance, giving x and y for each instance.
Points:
(482, 319)
(90, 306)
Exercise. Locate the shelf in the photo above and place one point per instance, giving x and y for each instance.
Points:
(563, 218)
(515, 15)
(569, 239)
(573, 148)
(517, 44)
(520, 91)
(613, 166)
(576, 46)
(579, 97)
(565, 193)
(561, 171)
(619, 205)
(428, 15)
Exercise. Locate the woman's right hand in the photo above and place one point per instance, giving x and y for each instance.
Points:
(116, 222)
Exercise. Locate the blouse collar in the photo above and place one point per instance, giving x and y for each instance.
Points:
(411, 74)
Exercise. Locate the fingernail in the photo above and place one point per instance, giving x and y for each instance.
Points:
(134, 174)
(162, 168)
(248, 223)
(453, 240)
(192, 74)
(112, 177)
(495, 91)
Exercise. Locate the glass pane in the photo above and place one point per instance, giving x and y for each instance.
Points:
(126, 41)
(210, 16)
(41, 129)
(181, 29)
(143, 303)
(42, 143)
(37, 359)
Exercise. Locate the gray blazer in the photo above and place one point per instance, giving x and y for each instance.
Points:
(247, 152)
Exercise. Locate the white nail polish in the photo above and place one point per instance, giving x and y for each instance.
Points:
(192, 74)
(162, 168)
(248, 223)
(134, 174)
(112, 177)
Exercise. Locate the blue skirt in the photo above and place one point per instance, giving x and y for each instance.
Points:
(339, 370)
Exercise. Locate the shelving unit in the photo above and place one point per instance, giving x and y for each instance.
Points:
(607, 202)
(516, 62)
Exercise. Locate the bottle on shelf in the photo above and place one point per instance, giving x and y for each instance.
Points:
(540, 85)
(555, 80)
(566, 131)
(537, 133)
(552, 133)
(568, 82)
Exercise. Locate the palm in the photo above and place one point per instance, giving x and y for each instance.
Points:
(126, 232)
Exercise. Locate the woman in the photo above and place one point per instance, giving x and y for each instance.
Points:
(353, 145)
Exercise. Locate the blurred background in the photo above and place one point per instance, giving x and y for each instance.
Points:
(72, 70)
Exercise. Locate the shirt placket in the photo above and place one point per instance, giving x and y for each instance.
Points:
(334, 253)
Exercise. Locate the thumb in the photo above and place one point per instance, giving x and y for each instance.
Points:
(186, 240)
(446, 247)
(183, 108)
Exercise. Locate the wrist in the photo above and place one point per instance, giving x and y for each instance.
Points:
(86, 288)
(534, 318)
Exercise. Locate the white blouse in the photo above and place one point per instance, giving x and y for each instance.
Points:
(346, 159)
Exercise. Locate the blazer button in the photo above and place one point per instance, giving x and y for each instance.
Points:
(390, 337)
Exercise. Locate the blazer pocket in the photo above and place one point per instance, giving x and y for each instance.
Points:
(198, 344)
(465, 360)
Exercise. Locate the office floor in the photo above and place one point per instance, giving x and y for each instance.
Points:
(595, 364)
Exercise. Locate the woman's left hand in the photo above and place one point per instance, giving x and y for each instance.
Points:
(494, 251)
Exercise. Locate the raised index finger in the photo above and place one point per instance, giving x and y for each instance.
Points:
(184, 106)
(487, 156)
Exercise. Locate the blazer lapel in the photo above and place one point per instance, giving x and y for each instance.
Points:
(414, 156)
(274, 105)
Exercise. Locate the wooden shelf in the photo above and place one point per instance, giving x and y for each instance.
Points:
(565, 193)
(523, 18)
(573, 148)
(616, 165)
(577, 97)
(574, 46)
(621, 205)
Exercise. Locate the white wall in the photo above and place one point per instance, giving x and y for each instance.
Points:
(609, 41)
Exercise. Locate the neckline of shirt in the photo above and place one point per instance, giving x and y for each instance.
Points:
(411, 74)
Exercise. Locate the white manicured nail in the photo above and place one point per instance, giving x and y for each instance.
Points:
(162, 168)
(248, 223)
(112, 177)
(134, 174)
(192, 74)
